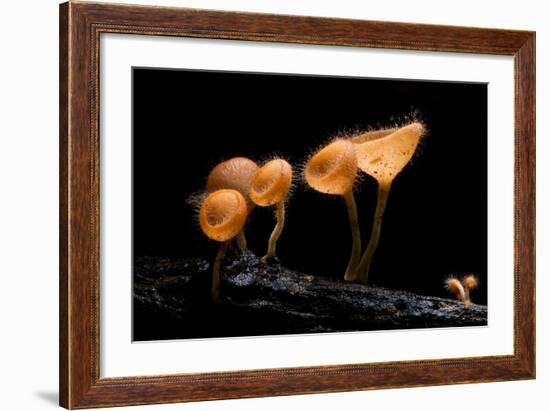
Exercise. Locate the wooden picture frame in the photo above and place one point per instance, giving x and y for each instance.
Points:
(80, 27)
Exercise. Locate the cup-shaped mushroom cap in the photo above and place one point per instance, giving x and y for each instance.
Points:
(271, 183)
(372, 135)
(333, 169)
(223, 214)
(235, 173)
(455, 287)
(470, 281)
(384, 157)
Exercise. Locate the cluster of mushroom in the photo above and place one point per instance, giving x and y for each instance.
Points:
(382, 154)
(234, 187)
(462, 288)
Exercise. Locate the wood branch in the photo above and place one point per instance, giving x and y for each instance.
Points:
(259, 298)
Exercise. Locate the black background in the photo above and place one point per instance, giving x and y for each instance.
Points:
(435, 224)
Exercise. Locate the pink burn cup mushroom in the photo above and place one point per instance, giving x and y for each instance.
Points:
(333, 170)
(382, 154)
(270, 187)
(235, 174)
(222, 217)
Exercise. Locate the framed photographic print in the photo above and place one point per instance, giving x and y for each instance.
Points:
(258, 205)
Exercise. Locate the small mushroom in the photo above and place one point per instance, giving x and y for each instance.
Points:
(333, 170)
(455, 287)
(383, 154)
(462, 288)
(469, 282)
(236, 174)
(222, 217)
(270, 186)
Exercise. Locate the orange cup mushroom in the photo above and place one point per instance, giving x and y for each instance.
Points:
(382, 154)
(469, 282)
(222, 217)
(333, 170)
(372, 135)
(235, 174)
(270, 186)
(455, 287)
(461, 288)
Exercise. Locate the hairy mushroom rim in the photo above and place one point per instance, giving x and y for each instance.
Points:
(222, 217)
(333, 170)
(270, 186)
(236, 174)
(382, 155)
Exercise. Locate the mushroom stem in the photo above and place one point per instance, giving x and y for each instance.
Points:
(469, 282)
(215, 292)
(276, 233)
(241, 241)
(467, 300)
(351, 270)
(366, 259)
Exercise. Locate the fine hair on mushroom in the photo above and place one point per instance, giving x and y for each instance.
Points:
(462, 288)
(222, 217)
(235, 174)
(270, 187)
(455, 287)
(382, 154)
(333, 170)
(469, 282)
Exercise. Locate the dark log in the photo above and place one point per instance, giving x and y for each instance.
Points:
(172, 300)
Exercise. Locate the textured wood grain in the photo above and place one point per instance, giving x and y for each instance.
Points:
(63, 205)
(80, 27)
(525, 204)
